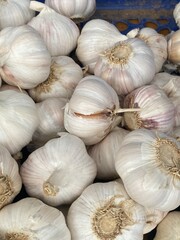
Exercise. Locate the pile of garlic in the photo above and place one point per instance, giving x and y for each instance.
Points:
(89, 121)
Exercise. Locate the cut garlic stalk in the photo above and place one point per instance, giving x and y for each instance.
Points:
(30, 219)
(59, 171)
(169, 227)
(126, 65)
(105, 211)
(105, 151)
(157, 110)
(152, 179)
(173, 48)
(10, 180)
(63, 78)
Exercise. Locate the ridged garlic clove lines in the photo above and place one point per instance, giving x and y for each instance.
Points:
(173, 48)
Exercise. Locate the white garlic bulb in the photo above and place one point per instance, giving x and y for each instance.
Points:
(174, 48)
(105, 211)
(169, 227)
(152, 179)
(51, 121)
(127, 65)
(156, 109)
(10, 180)
(176, 102)
(153, 218)
(24, 59)
(105, 151)
(59, 33)
(93, 110)
(15, 13)
(58, 172)
(64, 75)
(158, 44)
(96, 36)
(77, 10)
(18, 120)
(30, 218)
(176, 14)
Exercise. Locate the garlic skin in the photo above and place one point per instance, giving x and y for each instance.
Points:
(176, 14)
(64, 75)
(77, 10)
(152, 178)
(169, 227)
(126, 65)
(156, 109)
(18, 120)
(173, 48)
(91, 111)
(30, 218)
(10, 180)
(153, 218)
(158, 44)
(24, 59)
(96, 36)
(105, 151)
(59, 33)
(15, 13)
(105, 211)
(59, 171)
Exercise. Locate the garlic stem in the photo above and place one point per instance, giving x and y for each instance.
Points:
(122, 110)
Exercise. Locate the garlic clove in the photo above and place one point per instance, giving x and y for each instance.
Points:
(148, 164)
(10, 180)
(105, 211)
(59, 171)
(30, 218)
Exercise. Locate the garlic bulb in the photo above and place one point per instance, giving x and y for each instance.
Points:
(105, 151)
(126, 65)
(153, 218)
(64, 76)
(156, 109)
(59, 33)
(5, 87)
(51, 121)
(176, 14)
(176, 133)
(93, 110)
(152, 179)
(158, 44)
(77, 10)
(173, 48)
(59, 171)
(15, 13)
(30, 219)
(96, 36)
(169, 227)
(24, 59)
(18, 120)
(105, 211)
(10, 180)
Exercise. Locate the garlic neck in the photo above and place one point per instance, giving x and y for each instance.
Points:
(16, 236)
(5, 189)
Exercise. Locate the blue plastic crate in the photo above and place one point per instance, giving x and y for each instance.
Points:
(128, 14)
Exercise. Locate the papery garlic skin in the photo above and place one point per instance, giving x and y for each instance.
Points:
(156, 109)
(148, 164)
(10, 180)
(105, 211)
(105, 151)
(96, 36)
(24, 59)
(126, 65)
(176, 14)
(59, 33)
(77, 10)
(64, 75)
(59, 171)
(158, 44)
(173, 48)
(153, 218)
(18, 120)
(30, 219)
(15, 13)
(169, 227)
(90, 112)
